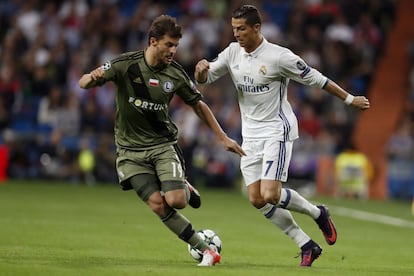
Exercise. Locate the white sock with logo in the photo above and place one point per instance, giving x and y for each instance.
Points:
(284, 220)
(292, 200)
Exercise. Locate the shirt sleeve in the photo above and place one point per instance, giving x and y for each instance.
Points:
(112, 68)
(218, 67)
(109, 70)
(188, 91)
(293, 67)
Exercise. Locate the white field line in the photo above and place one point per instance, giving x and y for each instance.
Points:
(362, 215)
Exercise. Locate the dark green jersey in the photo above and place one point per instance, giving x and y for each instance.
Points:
(143, 95)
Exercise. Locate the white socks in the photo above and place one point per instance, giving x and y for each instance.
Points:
(292, 200)
(283, 219)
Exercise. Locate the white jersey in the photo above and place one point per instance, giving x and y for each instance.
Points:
(261, 79)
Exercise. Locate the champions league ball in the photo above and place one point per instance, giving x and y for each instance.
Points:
(211, 238)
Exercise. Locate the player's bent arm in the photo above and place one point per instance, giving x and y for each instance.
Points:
(360, 102)
(201, 71)
(206, 115)
(92, 79)
(86, 81)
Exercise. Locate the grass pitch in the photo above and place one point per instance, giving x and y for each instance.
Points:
(63, 229)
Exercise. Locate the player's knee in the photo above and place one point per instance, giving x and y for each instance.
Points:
(271, 196)
(176, 200)
(158, 208)
(256, 201)
(271, 192)
(157, 205)
(177, 203)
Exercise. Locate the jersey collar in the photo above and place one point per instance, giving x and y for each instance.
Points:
(154, 69)
(257, 51)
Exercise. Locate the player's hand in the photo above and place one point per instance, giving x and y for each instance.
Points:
(201, 71)
(92, 79)
(97, 74)
(232, 146)
(361, 102)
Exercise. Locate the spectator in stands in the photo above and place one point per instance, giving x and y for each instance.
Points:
(86, 162)
(353, 172)
(400, 151)
(91, 122)
(308, 122)
(367, 37)
(10, 91)
(105, 159)
(68, 117)
(49, 106)
(51, 50)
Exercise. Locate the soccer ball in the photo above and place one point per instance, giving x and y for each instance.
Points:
(211, 238)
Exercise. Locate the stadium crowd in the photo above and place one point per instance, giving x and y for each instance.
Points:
(51, 128)
(400, 148)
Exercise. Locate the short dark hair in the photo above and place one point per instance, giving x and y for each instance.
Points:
(164, 25)
(248, 12)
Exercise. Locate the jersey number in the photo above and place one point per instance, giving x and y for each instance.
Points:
(177, 169)
(269, 164)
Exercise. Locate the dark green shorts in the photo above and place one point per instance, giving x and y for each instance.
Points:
(165, 163)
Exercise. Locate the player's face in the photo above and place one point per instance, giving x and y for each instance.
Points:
(166, 48)
(246, 35)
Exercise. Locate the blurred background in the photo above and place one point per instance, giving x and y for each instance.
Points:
(53, 130)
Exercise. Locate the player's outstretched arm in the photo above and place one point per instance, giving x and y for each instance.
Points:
(206, 115)
(360, 102)
(92, 79)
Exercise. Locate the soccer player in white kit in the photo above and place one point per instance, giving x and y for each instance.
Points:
(261, 72)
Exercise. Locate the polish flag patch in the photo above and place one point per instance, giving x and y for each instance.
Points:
(153, 82)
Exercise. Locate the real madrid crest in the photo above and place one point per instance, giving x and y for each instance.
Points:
(168, 86)
(263, 70)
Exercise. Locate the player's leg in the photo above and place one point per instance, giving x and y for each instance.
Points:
(251, 168)
(292, 200)
(287, 198)
(170, 168)
(147, 188)
(177, 192)
(275, 167)
(170, 159)
(195, 198)
(135, 173)
(284, 220)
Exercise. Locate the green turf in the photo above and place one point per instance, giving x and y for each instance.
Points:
(64, 229)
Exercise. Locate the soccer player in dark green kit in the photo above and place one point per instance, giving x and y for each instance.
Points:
(149, 160)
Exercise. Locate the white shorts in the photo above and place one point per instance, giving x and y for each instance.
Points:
(265, 159)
